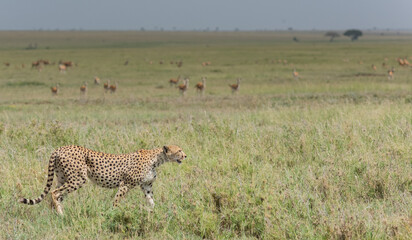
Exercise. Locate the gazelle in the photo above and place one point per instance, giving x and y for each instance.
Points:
(401, 61)
(180, 63)
(183, 87)
(200, 86)
(295, 74)
(235, 87)
(106, 86)
(62, 68)
(174, 81)
(113, 88)
(83, 88)
(55, 89)
(390, 74)
(96, 80)
(66, 63)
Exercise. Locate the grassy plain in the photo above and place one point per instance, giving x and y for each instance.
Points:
(325, 156)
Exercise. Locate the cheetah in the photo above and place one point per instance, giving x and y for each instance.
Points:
(74, 164)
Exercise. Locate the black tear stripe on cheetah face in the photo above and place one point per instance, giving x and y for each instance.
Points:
(74, 164)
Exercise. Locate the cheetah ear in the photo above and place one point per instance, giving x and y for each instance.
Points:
(166, 149)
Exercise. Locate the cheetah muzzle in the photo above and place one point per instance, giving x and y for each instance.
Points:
(72, 165)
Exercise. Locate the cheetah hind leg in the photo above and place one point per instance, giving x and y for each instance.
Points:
(123, 189)
(55, 202)
(58, 194)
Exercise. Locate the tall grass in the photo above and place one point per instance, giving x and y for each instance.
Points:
(327, 156)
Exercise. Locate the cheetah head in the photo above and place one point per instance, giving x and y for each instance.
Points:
(174, 153)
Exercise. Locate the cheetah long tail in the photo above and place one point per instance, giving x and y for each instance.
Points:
(48, 185)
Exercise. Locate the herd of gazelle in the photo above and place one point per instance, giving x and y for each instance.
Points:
(83, 88)
(107, 87)
(403, 62)
(390, 71)
(200, 86)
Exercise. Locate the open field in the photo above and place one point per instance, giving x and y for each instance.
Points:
(324, 156)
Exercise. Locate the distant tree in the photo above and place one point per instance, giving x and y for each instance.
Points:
(332, 35)
(354, 34)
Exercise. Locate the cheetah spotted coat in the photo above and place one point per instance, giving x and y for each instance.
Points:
(74, 164)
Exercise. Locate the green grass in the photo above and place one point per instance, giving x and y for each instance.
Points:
(325, 156)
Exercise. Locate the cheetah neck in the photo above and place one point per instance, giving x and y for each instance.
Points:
(159, 158)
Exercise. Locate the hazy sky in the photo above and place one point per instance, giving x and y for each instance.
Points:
(202, 14)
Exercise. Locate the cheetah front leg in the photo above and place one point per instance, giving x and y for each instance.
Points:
(148, 193)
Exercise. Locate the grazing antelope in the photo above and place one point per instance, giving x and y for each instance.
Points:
(161, 62)
(55, 89)
(374, 67)
(174, 81)
(62, 68)
(106, 86)
(96, 80)
(401, 61)
(113, 87)
(204, 64)
(83, 88)
(126, 63)
(180, 63)
(183, 87)
(66, 63)
(295, 74)
(390, 74)
(7, 64)
(200, 86)
(235, 87)
(35, 64)
(383, 64)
